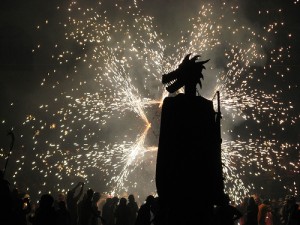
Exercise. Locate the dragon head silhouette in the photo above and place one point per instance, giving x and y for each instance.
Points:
(188, 74)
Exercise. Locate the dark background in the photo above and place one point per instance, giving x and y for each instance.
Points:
(22, 72)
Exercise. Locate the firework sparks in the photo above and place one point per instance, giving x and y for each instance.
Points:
(100, 121)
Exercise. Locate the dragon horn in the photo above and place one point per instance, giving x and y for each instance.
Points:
(203, 62)
(195, 58)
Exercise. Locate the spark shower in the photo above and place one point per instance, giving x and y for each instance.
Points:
(97, 118)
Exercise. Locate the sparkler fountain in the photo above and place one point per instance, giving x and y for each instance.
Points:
(188, 124)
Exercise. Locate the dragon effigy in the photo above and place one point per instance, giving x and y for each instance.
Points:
(187, 75)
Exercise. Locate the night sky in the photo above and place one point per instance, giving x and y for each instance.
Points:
(81, 81)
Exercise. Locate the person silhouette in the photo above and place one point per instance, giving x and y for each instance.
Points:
(45, 213)
(85, 208)
(72, 201)
(6, 200)
(145, 214)
(122, 212)
(133, 209)
(226, 214)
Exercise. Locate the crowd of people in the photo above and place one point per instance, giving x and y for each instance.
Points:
(75, 207)
(263, 211)
(80, 206)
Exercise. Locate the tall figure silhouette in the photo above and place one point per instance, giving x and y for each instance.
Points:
(188, 157)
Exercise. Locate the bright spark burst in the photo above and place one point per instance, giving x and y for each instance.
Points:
(99, 122)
